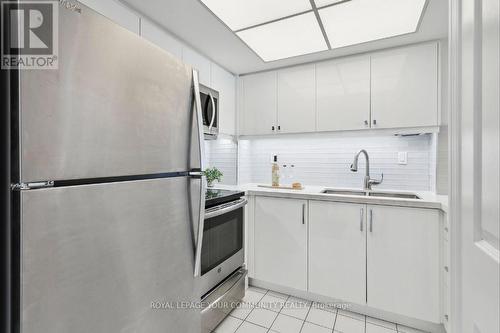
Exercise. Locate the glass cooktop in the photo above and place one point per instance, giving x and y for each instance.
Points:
(215, 197)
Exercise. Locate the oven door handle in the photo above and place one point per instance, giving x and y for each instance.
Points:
(214, 212)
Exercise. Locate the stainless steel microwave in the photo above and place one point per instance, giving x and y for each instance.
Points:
(210, 111)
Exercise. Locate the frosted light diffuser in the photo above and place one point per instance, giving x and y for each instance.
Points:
(360, 21)
(287, 38)
(239, 14)
(322, 3)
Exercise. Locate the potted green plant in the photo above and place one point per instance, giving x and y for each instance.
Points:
(213, 174)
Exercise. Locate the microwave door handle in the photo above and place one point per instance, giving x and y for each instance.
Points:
(199, 174)
(213, 113)
(225, 209)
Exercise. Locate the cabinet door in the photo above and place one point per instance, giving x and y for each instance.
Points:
(343, 94)
(160, 37)
(198, 62)
(297, 100)
(405, 87)
(280, 241)
(337, 250)
(258, 114)
(225, 83)
(116, 12)
(403, 267)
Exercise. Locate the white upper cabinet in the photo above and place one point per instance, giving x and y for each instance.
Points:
(160, 37)
(343, 94)
(200, 63)
(337, 250)
(225, 83)
(258, 107)
(397, 88)
(116, 12)
(403, 261)
(296, 100)
(405, 87)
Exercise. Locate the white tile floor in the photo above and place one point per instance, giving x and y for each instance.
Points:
(265, 311)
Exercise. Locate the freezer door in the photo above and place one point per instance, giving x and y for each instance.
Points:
(103, 258)
(118, 105)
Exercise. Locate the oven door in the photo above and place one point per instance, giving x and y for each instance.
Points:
(210, 111)
(222, 246)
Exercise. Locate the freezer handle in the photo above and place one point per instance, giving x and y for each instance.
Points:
(200, 175)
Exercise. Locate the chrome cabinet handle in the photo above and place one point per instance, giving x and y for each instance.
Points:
(366, 122)
(303, 213)
(213, 112)
(201, 143)
(374, 121)
(371, 220)
(361, 215)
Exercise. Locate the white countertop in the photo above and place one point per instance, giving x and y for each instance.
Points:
(428, 199)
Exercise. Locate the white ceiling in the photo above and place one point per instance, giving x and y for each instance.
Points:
(193, 23)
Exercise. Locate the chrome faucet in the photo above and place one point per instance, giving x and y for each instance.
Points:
(368, 182)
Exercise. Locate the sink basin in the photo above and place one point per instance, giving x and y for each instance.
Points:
(372, 194)
(394, 195)
(344, 192)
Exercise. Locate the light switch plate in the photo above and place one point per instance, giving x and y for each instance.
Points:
(403, 157)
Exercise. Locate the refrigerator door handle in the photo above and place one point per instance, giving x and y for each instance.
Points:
(201, 143)
(199, 119)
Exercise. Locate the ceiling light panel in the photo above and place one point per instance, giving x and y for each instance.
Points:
(360, 21)
(287, 38)
(240, 14)
(322, 3)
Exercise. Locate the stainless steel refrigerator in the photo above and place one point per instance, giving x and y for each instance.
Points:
(108, 197)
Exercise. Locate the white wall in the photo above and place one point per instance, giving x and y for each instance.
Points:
(324, 160)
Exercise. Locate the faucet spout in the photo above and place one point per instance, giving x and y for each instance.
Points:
(368, 182)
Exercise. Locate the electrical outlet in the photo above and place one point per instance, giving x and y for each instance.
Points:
(403, 157)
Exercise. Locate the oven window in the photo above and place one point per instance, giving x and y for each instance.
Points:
(222, 238)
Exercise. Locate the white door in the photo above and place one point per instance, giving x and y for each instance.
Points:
(297, 100)
(403, 261)
(258, 111)
(280, 241)
(337, 250)
(343, 94)
(475, 201)
(405, 87)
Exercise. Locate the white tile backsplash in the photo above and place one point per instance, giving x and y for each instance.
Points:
(324, 160)
(223, 154)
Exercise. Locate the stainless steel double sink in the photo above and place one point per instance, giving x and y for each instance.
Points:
(396, 195)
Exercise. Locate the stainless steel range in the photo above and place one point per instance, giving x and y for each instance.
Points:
(223, 275)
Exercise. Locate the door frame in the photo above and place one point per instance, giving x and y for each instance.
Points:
(454, 156)
(460, 50)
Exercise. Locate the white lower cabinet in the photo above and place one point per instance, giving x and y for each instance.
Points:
(280, 237)
(403, 266)
(384, 257)
(337, 250)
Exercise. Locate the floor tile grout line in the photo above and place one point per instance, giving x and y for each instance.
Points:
(279, 312)
(335, 322)
(310, 307)
(253, 307)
